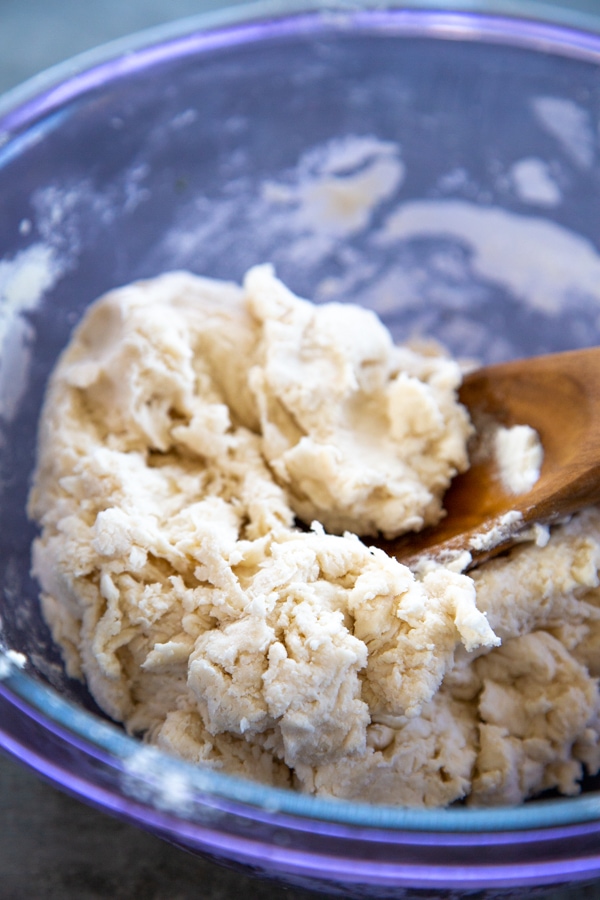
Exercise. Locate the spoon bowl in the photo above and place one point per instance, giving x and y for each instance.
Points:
(558, 395)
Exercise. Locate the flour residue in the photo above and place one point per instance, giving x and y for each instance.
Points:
(338, 225)
(499, 531)
(534, 183)
(519, 455)
(146, 778)
(24, 280)
(65, 217)
(544, 264)
(9, 661)
(69, 215)
(339, 186)
(309, 214)
(62, 209)
(570, 125)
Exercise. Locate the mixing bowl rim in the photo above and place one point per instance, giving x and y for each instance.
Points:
(24, 105)
(530, 23)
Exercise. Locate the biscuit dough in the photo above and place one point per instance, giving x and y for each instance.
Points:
(189, 428)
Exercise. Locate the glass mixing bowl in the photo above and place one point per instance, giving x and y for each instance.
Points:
(439, 167)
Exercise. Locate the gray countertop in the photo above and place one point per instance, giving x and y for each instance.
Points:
(51, 845)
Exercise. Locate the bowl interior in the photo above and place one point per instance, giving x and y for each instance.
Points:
(441, 169)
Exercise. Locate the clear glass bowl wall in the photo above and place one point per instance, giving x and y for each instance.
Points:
(162, 153)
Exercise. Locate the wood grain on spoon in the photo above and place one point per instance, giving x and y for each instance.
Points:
(559, 396)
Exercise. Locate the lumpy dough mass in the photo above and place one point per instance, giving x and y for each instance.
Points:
(189, 428)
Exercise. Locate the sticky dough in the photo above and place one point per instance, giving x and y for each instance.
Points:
(208, 454)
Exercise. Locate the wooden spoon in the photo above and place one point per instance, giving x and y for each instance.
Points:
(559, 396)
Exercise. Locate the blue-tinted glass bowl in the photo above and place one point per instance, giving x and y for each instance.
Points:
(186, 147)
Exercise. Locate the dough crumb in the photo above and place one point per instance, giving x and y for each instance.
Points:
(519, 455)
(189, 428)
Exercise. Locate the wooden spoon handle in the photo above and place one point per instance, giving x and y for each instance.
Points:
(559, 396)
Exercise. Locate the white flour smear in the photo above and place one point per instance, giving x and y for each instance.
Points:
(543, 264)
(337, 227)
(24, 280)
(570, 125)
(338, 187)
